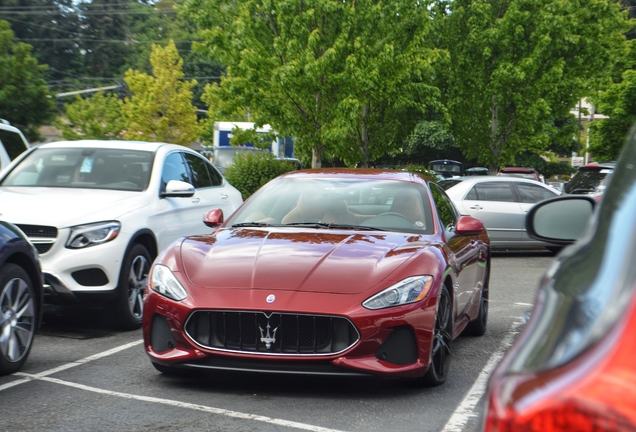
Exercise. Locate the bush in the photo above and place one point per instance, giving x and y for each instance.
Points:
(248, 172)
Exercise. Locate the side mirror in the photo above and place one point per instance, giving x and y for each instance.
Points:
(177, 188)
(213, 218)
(468, 225)
(560, 220)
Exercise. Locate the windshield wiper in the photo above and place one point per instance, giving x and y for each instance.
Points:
(330, 225)
(251, 224)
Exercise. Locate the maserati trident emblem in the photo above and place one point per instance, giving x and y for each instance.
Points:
(267, 338)
(270, 298)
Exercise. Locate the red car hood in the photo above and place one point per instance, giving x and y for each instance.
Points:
(282, 259)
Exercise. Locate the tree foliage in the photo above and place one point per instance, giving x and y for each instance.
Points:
(249, 171)
(96, 117)
(161, 106)
(515, 65)
(24, 96)
(343, 78)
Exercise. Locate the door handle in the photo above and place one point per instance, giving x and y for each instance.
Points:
(224, 197)
(476, 207)
(196, 200)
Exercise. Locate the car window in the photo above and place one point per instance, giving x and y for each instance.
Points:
(530, 193)
(444, 205)
(92, 168)
(13, 143)
(492, 191)
(198, 171)
(586, 181)
(174, 168)
(448, 183)
(215, 175)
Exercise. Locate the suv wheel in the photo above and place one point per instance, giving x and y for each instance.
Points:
(132, 282)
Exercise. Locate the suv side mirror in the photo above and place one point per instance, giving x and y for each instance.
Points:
(561, 220)
(177, 188)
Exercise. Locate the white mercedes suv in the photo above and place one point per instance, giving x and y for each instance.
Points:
(99, 212)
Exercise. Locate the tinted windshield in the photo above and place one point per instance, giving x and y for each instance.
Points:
(588, 182)
(529, 176)
(91, 168)
(381, 204)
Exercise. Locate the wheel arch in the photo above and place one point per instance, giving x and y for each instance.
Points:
(147, 239)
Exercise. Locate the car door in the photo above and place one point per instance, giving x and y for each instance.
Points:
(465, 252)
(175, 217)
(211, 190)
(529, 195)
(495, 204)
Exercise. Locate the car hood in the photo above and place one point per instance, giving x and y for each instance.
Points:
(64, 207)
(299, 260)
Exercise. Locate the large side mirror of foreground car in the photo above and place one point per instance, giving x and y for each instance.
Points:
(213, 218)
(468, 225)
(560, 220)
(177, 188)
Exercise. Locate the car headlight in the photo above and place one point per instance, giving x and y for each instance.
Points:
(92, 234)
(409, 290)
(165, 283)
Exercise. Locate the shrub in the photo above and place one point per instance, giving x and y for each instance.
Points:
(248, 172)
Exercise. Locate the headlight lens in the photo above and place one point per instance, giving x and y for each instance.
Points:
(93, 234)
(409, 290)
(165, 283)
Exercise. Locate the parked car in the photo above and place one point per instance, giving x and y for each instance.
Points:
(447, 168)
(477, 171)
(572, 368)
(12, 143)
(591, 179)
(20, 297)
(353, 272)
(521, 172)
(559, 185)
(100, 211)
(222, 157)
(501, 203)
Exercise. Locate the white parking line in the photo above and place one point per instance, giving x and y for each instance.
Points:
(467, 409)
(44, 376)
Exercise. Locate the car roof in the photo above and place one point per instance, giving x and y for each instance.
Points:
(593, 166)
(367, 173)
(110, 144)
(518, 169)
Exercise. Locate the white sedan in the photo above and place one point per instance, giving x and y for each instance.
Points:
(99, 212)
(501, 203)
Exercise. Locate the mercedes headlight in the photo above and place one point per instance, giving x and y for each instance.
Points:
(409, 290)
(92, 234)
(165, 283)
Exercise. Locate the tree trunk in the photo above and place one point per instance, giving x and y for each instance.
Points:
(316, 157)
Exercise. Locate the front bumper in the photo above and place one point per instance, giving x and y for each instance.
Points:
(394, 342)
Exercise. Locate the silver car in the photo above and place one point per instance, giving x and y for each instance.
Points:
(501, 203)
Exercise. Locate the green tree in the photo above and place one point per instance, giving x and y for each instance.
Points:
(24, 96)
(96, 117)
(249, 171)
(342, 78)
(160, 108)
(515, 65)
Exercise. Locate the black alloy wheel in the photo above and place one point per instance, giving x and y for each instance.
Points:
(132, 283)
(442, 339)
(18, 316)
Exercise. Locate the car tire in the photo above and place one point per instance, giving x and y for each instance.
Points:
(477, 327)
(442, 338)
(132, 283)
(18, 317)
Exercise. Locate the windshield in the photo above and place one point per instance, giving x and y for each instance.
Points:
(448, 183)
(92, 168)
(588, 182)
(348, 203)
(529, 176)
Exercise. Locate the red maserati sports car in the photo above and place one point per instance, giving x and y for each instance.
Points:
(335, 272)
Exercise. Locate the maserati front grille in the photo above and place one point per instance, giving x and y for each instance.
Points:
(273, 333)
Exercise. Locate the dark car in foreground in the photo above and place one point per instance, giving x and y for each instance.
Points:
(335, 272)
(20, 297)
(572, 368)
